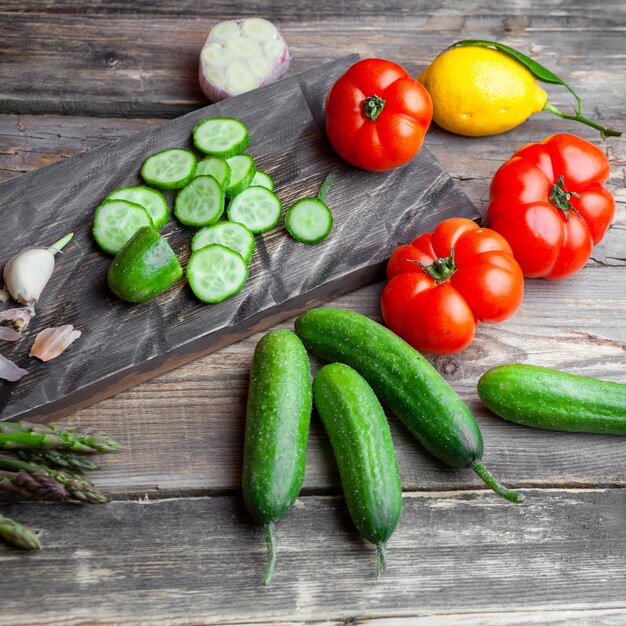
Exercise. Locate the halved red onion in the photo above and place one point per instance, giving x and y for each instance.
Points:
(241, 55)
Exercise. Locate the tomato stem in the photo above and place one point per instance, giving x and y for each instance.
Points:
(578, 117)
(441, 269)
(373, 106)
(560, 197)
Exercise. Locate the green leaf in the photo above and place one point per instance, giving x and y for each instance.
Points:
(540, 72)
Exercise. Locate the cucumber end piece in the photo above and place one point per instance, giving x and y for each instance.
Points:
(498, 488)
(268, 531)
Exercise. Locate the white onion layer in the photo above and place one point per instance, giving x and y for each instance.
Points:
(241, 55)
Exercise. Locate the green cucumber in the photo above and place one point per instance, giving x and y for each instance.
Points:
(145, 267)
(216, 167)
(169, 169)
(230, 235)
(405, 382)
(241, 174)
(546, 398)
(221, 136)
(150, 199)
(116, 221)
(261, 179)
(277, 431)
(360, 437)
(200, 202)
(257, 208)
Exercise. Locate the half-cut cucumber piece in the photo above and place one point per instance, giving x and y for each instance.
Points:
(228, 234)
(216, 167)
(200, 202)
(241, 174)
(216, 273)
(169, 169)
(309, 220)
(221, 136)
(116, 221)
(261, 179)
(151, 200)
(257, 208)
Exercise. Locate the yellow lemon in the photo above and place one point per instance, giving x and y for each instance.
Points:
(479, 91)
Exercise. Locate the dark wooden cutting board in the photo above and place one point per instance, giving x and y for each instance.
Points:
(123, 344)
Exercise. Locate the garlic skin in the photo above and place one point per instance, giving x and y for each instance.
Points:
(28, 272)
(51, 342)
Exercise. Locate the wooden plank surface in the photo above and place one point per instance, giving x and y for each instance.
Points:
(114, 62)
(122, 345)
(198, 560)
(459, 557)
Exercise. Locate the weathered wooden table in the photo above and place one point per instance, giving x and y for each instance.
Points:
(176, 546)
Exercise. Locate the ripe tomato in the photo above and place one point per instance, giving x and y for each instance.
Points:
(445, 283)
(377, 115)
(549, 203)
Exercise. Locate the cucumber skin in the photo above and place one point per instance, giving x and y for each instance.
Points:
(541, 397)
(144, 267)
(363, 448)
(401, 378)
(280, 400)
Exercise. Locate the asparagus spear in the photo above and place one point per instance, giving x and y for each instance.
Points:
(56, 459)
(17, 435)
(36, 486)
(19, 535)
(75, 483)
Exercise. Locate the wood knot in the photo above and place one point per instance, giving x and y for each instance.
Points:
(111, 59)
(447, 366)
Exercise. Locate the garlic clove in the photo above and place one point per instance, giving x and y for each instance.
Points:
(9, 371)
(28, 272)
(51, 342)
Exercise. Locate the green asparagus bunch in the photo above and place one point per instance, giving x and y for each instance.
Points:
(18, 435)
(46, 463)
(19, 535)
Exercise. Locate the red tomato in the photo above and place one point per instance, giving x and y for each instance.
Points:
(549, 203)
(377, 115)
(445, 283)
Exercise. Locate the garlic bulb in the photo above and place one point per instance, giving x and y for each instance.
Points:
(28, 272)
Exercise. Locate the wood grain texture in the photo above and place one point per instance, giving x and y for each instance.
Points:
(199, 561)
(114, 63)
(123, 344)
(551, 562)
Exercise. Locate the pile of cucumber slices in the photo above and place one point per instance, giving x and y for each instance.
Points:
(127, 222)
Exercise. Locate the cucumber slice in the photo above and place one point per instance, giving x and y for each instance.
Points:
(257, 208)
(216, 273)
(151, 200)
(221, 136)
(241, 174)
(116, 221)
(230, 235)
(216, 167)
(261, 179)
(309, 220)
(170, 169)
(200, 202)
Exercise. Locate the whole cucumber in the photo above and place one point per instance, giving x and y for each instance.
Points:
(360, 438)
(277, 429)
(546, 398)
(405, 382)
